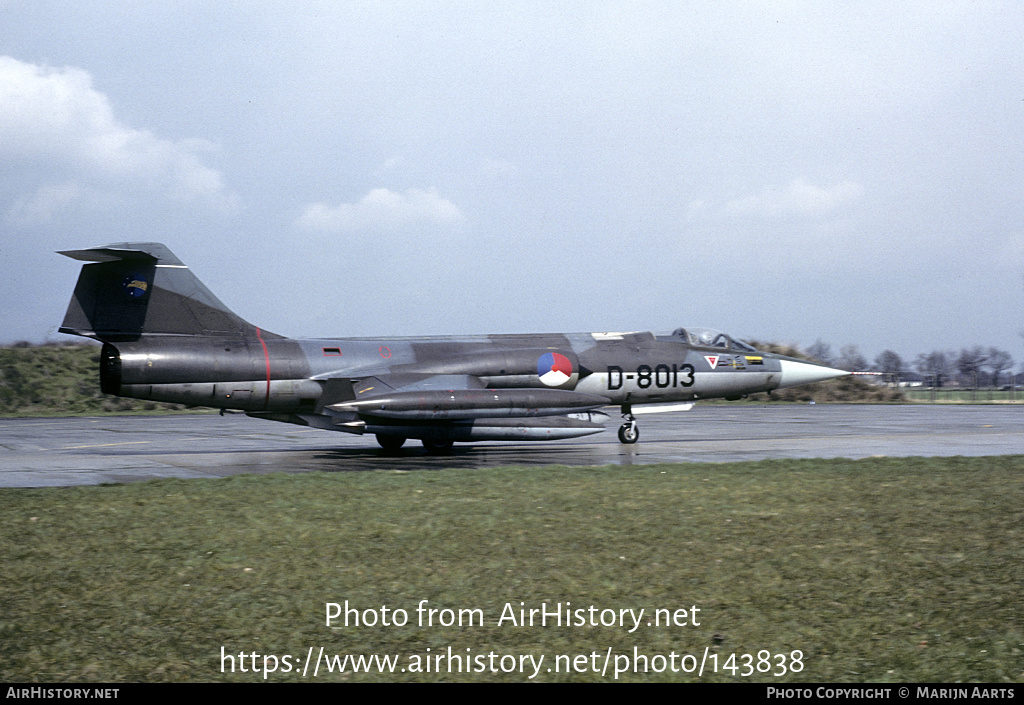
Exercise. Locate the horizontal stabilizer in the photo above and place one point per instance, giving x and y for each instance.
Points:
(154, 252)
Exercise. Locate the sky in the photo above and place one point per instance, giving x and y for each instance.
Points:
(784, 171)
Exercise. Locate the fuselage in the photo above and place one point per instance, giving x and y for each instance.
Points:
(289, 376)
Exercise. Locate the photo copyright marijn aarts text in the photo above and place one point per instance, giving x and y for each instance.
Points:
(545, 614)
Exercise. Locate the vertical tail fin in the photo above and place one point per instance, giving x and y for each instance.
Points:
(141, 288)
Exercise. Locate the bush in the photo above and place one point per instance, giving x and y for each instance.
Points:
(57, 378)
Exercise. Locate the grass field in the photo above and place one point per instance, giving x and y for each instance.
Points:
(875, 570)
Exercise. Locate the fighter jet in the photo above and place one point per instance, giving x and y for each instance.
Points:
(167, 338)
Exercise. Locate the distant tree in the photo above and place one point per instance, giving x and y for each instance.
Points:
(891, 365)
(998, 360)
(822, 352)
(850, 359)
(934, 365)
(969, 363)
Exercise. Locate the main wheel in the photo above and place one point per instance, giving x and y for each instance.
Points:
(390, 442)
(629, 433)
(437, 447)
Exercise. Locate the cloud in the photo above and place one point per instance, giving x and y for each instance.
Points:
(382, 208)
(800, 199)
(46, 202)
(55, 123)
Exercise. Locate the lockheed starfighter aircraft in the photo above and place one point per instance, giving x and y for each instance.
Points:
(167, 338)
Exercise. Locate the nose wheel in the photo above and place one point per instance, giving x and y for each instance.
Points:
(629, 432)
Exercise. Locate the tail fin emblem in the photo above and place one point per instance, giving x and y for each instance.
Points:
(135, 286)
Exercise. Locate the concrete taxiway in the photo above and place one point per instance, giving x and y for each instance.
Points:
(57, 452)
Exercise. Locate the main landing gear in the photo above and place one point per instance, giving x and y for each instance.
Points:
(435, 447)
(629, 432)
(390, 442)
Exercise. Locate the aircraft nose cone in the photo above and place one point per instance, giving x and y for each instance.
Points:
(797, 372)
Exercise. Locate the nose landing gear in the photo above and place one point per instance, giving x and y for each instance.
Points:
(629, 432)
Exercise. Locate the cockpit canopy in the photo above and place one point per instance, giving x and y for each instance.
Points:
(708, 338)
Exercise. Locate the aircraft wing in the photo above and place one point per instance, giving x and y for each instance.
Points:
(425, 397)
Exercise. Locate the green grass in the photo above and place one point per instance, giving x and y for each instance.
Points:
(876, 570)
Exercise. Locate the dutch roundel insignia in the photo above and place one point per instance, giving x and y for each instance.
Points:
(554, 369)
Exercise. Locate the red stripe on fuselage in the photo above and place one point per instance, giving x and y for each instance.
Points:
(266, 356)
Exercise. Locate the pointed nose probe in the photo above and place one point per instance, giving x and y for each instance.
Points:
(797, 372)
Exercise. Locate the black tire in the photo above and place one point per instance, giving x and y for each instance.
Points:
(438, 447)
(629, 433)
(390, 442)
